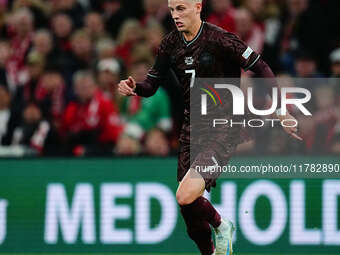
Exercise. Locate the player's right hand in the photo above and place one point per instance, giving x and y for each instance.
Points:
(126, 87)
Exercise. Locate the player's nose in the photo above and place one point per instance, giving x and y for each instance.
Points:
(176, 20)
(174, 15)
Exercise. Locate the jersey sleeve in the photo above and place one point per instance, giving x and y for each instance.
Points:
(162, 62)
(156, 73)
(238, 51)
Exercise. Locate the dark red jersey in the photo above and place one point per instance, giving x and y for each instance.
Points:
(213, 53)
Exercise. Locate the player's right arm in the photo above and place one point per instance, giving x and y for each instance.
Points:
(154, 78)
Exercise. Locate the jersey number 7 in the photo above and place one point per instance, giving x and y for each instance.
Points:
(193, 75)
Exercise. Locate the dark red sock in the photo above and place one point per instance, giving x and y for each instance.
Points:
(201, 207)
(198, 230)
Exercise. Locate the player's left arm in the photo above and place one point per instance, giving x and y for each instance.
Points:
(248, 59)
(262, 69)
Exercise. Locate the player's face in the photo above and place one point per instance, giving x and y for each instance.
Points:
(185, 13)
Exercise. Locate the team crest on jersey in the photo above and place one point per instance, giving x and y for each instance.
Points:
(189, 60)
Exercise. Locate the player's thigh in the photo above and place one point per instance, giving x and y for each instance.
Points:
(190, 188)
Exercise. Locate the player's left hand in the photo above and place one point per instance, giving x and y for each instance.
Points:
(292, 131)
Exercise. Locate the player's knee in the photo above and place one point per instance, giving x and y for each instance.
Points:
(183, 198)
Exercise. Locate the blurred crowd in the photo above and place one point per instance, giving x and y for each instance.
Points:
(61, 61)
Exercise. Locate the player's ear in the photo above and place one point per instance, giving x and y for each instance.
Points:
(198, 8)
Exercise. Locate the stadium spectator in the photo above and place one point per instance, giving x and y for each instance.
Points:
(335, 73)
(7, 118)
(51, 96)
(154, 34)
(34, 70)
(318, 130)
(80, 57)
(43, 44)
(72, 8)
(5, 53)
(91, 125)
(3, 16)
(113, 14)
(45, 88)
(307, 132)
(108, 77)
(94, 26)
(21, 38)
(248, 31)
(156, 10)
(290, 38)
(307, 74)
(105, 48)
(38, 8)
(222, 14)
(325, 118)
(335, 63)
(156, 143)
(306, 66)
(141, 51)
(335, 145)
(62, 27)
(130, 34)
(35, 133)
(272, 31)
(257, 10)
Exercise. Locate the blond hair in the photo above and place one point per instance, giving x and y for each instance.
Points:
(195, 1)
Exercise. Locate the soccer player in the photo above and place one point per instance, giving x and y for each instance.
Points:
(199, 48)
